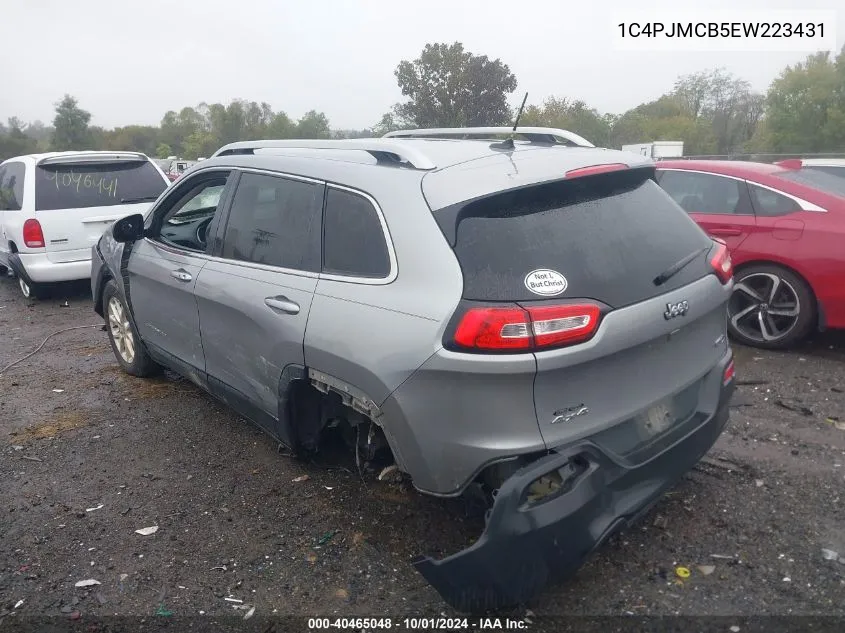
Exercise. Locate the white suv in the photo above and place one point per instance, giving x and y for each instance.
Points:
(54, 207)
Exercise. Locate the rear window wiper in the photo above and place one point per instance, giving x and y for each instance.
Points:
(675, 268)
(141, 199)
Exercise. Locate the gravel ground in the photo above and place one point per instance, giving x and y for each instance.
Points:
(89, 455)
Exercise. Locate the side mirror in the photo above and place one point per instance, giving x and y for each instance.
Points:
(128, 229)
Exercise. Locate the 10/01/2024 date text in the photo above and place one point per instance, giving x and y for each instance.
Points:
(417, 624)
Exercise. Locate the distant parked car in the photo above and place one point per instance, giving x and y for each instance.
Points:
(54, 207)
(832, 166)
(784, 225)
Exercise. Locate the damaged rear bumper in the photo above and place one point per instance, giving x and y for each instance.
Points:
(526, 547)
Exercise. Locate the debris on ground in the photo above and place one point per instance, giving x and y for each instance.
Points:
(660, 522)
(301, 478)
(87, 583)
(797, 408)
(342, 594)
(390, 473)
(706, 570)
(233, 600)
(58, 390)
(829, 554)
(94, 508)
(249, 613)
(163, 611)
(18, 604)
(759, 483)
(328, 536)
(682, 572)
(147, 531)
(722, 556)
(31, 459)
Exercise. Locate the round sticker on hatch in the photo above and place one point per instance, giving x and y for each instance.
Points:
(545, 282)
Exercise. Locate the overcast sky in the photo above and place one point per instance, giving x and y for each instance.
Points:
(130, 61)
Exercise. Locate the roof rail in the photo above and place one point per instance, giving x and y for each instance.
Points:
(385, 150)
(545, 135)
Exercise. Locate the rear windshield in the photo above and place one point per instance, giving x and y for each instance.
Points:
(824, 179)
(601, 237)
(83, 185)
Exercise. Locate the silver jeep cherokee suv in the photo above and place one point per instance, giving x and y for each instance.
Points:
(533, 319)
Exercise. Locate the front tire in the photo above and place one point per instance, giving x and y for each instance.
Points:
(127, 346)
(770, 308)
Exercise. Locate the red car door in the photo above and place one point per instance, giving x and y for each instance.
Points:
(719, 204)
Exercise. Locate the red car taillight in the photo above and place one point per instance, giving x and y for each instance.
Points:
(532, 328)
(721, 262)
(33, 236)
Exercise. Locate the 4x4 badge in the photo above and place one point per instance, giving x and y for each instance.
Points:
(676, 309)
(566, 415)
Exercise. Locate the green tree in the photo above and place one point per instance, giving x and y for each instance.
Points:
(163, 150)
(138, 138)
(805, 106)
(574, 116)
(70, 126)
(313, 124)
(723, 101)
(15, 140)
(448, 86)
(280, 127)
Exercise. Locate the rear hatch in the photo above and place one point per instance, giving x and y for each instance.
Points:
(77, 198)
(610, 285)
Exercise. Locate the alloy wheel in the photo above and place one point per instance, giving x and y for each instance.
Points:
(121, 331)
(764, 307)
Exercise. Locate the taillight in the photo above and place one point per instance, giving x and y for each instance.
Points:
(533, 328)
(730, 371)
(33, 236)
(721, 262)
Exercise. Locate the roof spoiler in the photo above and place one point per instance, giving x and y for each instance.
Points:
(540, 135)
(383, 150)
(92, 157)
(790, 163)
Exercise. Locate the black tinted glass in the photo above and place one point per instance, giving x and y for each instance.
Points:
(275, 221)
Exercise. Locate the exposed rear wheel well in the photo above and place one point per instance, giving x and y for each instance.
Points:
(321, 417)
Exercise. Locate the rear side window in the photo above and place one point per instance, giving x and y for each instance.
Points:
(12, 177)
(828, 179)
(770, 203)
(275, 221)
(82, 185)
(703, 193)
(354, 241)
(600, 237)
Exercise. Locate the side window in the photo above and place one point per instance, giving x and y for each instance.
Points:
(703, 193)
(769, 203)
(185, 224)
(275, 221)
(11, 186)
(353, 238)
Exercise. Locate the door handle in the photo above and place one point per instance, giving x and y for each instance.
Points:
(181, 274)
(283, 304)
(728, 231)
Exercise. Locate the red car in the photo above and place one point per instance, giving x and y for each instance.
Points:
(784, 225)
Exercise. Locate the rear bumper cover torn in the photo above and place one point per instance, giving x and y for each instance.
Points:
(523, 549)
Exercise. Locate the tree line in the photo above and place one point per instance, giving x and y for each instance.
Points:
(712, 111)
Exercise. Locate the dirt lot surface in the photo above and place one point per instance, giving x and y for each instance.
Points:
(90, 455)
